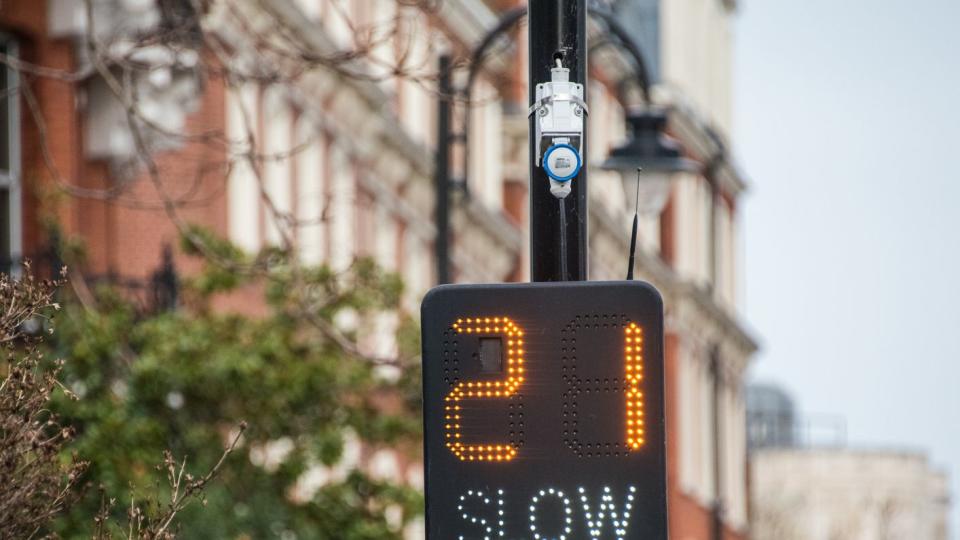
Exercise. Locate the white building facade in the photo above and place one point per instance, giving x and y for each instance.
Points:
(344, 169)
(364, 182)
(838, 494)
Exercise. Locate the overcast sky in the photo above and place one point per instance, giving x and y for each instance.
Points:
(848, 125)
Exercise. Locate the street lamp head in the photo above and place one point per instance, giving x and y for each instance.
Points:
(652, 151)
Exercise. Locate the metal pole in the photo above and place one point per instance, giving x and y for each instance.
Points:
(556, 27)
(442, 171)
(716, 512)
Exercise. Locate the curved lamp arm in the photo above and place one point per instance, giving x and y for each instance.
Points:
(623, 36)
(511, 18)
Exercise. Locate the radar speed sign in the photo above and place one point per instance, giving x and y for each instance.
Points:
(543, 411)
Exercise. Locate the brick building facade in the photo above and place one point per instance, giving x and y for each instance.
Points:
(360, 182)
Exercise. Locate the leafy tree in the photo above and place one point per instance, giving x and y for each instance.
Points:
(184, 380)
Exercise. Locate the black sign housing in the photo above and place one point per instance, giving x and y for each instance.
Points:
(543, 411)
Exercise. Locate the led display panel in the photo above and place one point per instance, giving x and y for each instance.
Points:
(543, 412)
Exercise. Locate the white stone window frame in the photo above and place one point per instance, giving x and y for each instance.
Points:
(10, 177)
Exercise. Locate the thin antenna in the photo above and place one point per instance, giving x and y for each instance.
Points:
(633, 233)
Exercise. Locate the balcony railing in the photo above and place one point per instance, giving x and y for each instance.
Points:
(155, 293)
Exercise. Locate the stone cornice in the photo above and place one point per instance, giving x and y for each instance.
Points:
(700, 139)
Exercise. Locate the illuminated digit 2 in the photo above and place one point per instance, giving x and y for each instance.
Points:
(513, 335)
(633, 358)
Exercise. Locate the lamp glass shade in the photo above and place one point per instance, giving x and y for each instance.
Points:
(654, 189)
(658, 155)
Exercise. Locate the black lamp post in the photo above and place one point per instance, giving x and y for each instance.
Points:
(446, 138)
(441, 172)
(649, 148)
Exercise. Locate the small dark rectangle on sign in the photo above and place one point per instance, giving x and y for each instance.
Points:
(491, 355)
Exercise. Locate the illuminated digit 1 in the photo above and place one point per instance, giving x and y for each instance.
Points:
(484, 389)
(634, 374)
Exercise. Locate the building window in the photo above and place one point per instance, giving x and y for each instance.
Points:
(10, 220)
(486, 150)
(243, 192)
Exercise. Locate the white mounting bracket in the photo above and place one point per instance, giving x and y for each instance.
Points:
(560, 110)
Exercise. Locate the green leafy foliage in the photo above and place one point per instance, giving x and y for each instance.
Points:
(290, 368)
